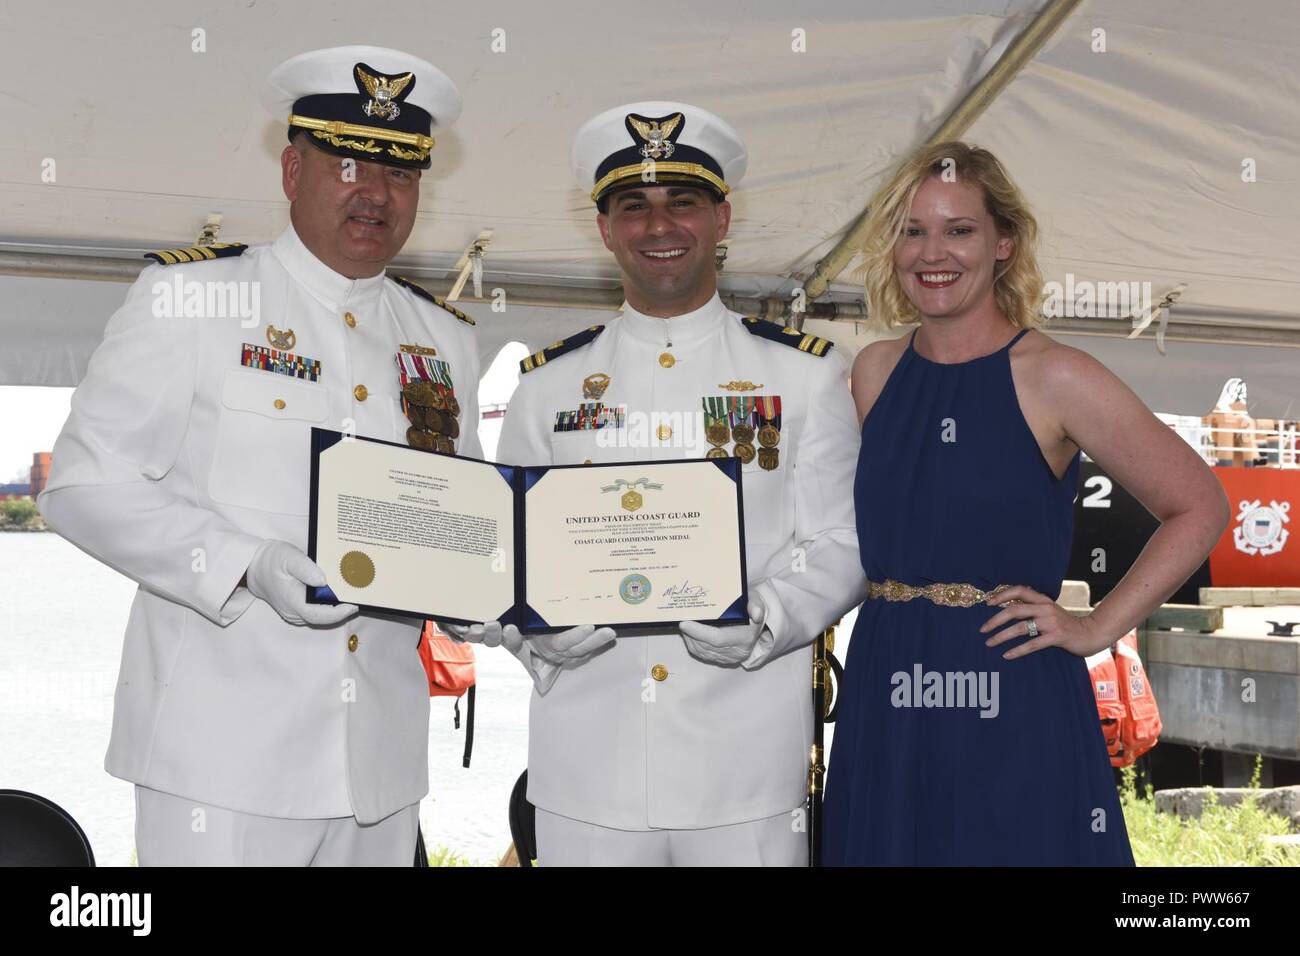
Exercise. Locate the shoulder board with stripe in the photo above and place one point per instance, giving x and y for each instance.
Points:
(218, 250)
(803, 341)
(556, 349)
(424, 293)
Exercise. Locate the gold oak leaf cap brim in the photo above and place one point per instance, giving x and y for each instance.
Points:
(320, 93)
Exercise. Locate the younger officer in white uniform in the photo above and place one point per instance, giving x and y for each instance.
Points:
(687, 747)
(260, 729)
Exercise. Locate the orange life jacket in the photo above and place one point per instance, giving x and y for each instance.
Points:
(449, 665)
(1105, 687)
(1130, 719)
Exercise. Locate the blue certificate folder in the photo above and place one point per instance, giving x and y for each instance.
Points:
(521, 480)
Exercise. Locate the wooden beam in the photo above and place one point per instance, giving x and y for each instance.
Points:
(1190, 617)
(1249, 597)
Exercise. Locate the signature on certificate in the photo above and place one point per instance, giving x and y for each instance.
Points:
(686, 589)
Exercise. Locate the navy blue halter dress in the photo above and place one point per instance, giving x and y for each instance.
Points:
(944, 753)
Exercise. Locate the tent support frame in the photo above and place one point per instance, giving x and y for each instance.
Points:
(1021, 50)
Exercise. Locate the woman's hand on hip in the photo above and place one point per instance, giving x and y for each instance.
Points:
(1055, 626)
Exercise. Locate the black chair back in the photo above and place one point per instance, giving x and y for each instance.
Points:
(38, 832)
(523, 822)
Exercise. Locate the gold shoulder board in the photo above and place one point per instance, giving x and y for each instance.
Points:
(218, 250)
(428, 296)
(562, 347)
(803, 341)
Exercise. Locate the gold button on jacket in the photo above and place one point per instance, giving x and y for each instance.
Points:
(659, 672)
(360, 392)
(353, 642)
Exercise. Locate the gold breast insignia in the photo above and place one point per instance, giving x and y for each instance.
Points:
(282, 339)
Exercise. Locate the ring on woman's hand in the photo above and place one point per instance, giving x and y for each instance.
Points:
(1033, 627)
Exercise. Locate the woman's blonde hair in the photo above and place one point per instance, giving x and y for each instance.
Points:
(1017, 287)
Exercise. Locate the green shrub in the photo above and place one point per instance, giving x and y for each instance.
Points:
(18, 511)
(443, 856)
(1223, 836)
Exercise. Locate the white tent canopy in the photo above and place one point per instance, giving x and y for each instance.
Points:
(1132, 157)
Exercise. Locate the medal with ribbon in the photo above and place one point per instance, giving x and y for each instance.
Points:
(740, 411)
(769, 431)
(428, 399)
(716, 428)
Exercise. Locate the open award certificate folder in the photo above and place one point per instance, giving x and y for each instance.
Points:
(421, 533)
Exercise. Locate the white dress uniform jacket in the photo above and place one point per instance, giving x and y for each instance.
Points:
(706, 746)
(176, 462)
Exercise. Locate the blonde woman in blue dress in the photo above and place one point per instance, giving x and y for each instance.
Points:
(968, 733)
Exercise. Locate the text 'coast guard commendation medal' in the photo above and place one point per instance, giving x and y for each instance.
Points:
(769, 432)
(357, 569)
(428, 399)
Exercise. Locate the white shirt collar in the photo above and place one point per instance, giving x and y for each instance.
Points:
(688, 329)
(334, 290)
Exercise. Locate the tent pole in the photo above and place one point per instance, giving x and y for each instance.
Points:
(1022, 49)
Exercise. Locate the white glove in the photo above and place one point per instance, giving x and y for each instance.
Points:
(566, 648)
(489, 633)
(280, 574)
(746, 644)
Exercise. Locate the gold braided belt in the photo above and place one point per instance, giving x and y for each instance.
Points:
(949, 595)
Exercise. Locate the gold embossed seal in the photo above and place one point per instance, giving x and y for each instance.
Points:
(357, 569)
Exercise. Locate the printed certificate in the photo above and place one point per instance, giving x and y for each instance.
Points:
(408, 531)
(632, 544)
(405, 530)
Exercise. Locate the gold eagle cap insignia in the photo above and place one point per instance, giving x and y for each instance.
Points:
(383, 93)
(656, 133)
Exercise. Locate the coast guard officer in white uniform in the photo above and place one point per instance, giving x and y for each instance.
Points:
(688, 747)
(260, 729)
